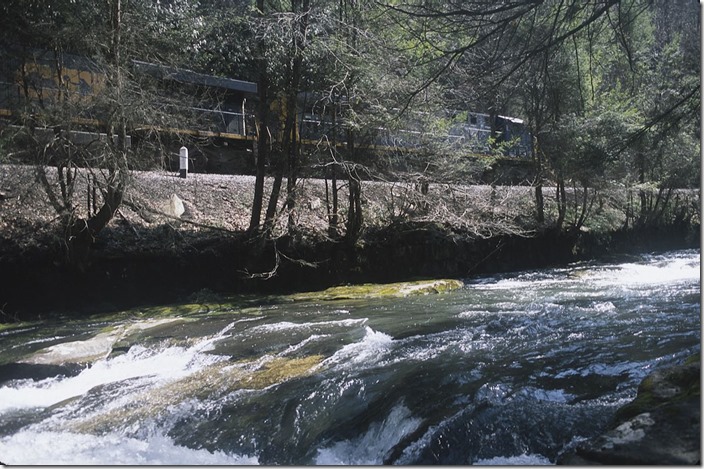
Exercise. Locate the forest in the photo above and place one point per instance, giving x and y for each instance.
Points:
(608, 90)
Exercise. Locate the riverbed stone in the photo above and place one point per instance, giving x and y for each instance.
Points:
(373, 290)
(94, 348)
(660, 426)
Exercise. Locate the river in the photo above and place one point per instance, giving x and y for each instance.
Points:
(509, 369)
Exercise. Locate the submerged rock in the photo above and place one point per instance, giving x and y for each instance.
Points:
(372, 290)
(660, 426)
(78, 351)
(36, 372)
(212, 382)
(94, 348)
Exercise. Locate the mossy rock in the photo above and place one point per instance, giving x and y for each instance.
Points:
(216, 380)
(77, 351)
(387, 290)
(5, 326)
(693, 359)
(177, 310)
(662, 388)
(661, 426)
(280, 370)
(184, 309)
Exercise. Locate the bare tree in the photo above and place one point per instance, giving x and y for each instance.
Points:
(81, 105)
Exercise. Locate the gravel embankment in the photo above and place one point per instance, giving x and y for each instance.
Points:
(217, 205)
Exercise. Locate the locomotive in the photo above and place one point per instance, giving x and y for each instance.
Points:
(224, 118)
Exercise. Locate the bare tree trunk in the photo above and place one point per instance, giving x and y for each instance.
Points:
(642, 194)
(355, 217)
(263, 141)
(561, 198)
(292, 142)
(82, 232)
(293, 156)
(629, 208)
(586, 206)
(290, 149)
(334, 218)
(539, 204)
(539, 198)
(274, 198)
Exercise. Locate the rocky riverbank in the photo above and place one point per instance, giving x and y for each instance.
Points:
(662, 426)
(175, 239)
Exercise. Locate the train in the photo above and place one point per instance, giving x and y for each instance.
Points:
(223, 121)
(468, 131)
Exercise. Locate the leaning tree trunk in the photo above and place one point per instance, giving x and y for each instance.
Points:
(83, 232)
(274, 197)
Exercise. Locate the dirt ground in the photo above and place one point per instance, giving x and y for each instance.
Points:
(162, 210)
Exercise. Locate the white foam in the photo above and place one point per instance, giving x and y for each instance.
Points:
(51, 448)
(617, 369)
(166, 364)
(603, 307)
(677, 270)
(370, 350)
(520, 460)
(472, 313)
(288, 325)
(302, 344)
(371, 447)
(546, 395)
(673, 270)
(42, 340)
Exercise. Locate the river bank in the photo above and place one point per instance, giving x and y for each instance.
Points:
(515, 368)
(157, 251)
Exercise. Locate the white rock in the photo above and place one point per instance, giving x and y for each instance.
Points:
(175, 207)
(314, 203)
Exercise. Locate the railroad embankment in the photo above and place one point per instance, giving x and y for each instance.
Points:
(179, 239)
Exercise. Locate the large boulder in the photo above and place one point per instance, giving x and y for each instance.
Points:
(660, 426)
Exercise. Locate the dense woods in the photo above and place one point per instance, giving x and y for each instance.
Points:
(609, 90)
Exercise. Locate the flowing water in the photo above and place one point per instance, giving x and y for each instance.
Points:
(509, 369)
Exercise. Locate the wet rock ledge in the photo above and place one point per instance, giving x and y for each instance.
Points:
(661, 426)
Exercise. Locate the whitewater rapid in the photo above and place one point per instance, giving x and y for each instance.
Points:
(511, 369)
